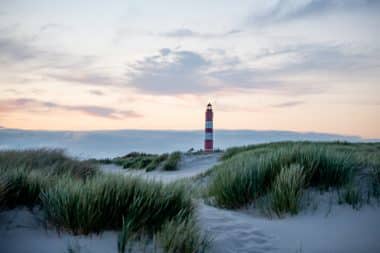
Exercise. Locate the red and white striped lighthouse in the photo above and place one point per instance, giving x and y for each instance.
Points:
(209, 141)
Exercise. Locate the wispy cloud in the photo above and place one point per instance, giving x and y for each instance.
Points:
(288, 104)
(61, 66)
(188, 33)
(27, 104)
(319, 57)
(286, 10)
(96, 92)
(52, 26)
(85, 76)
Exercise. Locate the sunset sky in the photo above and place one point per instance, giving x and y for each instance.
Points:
(300, 65)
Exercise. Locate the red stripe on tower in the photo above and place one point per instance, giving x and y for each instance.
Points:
(209, 141)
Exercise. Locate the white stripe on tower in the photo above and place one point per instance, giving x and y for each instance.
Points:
(208, 124)
(208, 136)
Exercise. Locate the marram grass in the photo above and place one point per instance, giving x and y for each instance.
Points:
(232, 188)
(23, 188)
(351, 195)
(50, 161)
(102, 202)
(178, 234)
(182, 234)
(248, 175)
(26, 173)
(172, 161)
(286, 193)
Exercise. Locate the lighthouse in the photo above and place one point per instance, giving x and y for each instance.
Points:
(209, 140)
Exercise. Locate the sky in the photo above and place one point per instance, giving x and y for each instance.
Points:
(299, 65)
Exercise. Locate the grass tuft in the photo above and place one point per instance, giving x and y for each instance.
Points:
(139, 161)
(286, 192)
(172, 162)
(182, 234)
(352, 196)
(374, 173)
(232, 188)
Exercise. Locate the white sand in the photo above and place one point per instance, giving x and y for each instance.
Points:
(343, 230)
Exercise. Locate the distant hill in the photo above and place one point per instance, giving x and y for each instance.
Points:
(101, 144)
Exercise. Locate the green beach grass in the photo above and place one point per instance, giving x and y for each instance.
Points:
(266, 170)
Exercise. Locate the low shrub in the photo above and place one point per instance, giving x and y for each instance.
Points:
(102, 202)
(172, 161)
(286, 192)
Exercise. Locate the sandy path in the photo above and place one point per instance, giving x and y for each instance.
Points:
(233, 232)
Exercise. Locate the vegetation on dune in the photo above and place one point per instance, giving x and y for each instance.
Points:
(135, 160)
(172, 161)
(102, 202)
(25, 174)
(78, 198)
(373, 163)
(179, 234)
(49, 161)
(258, 148)
(351, 195)
(250, 172)
(286, 192)
(24, 188)
(182, 234)
(4, 189)
(232, 188)
(148, 162)
(361, 149)
(375, 175)
(156, 162)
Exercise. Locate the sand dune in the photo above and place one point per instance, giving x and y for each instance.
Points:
(324, 228)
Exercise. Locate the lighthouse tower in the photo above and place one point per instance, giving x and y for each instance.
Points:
(209, 141)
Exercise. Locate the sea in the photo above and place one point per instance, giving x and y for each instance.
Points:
(112, 143)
